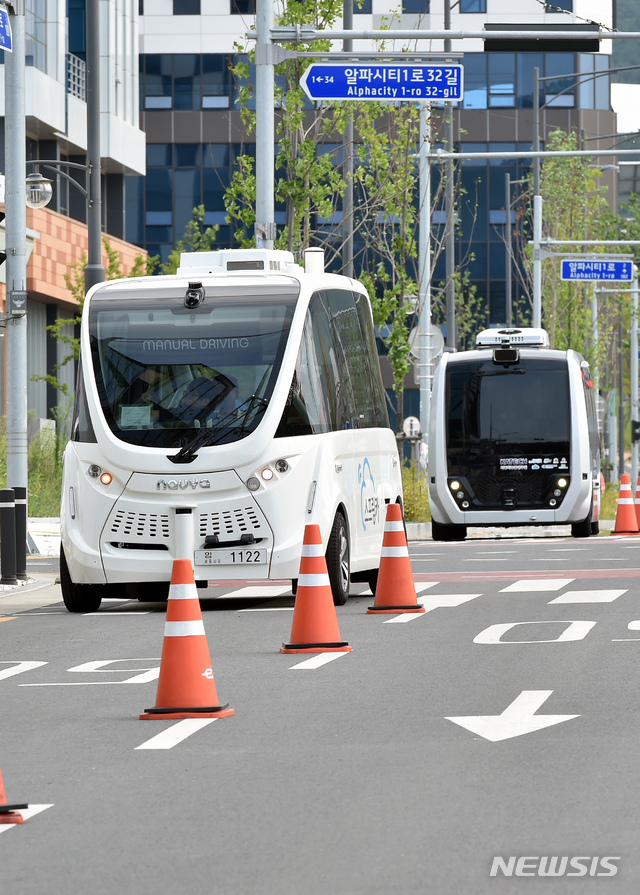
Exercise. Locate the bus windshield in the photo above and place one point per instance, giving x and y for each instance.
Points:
(514, 418)
(165, 372)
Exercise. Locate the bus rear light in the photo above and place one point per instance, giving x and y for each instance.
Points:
(253, 483)
(282, 465)
(267, 473)
(106, 478)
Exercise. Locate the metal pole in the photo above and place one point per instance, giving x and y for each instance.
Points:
(537, 205)
(347, 150)
(633, 375)
(265, 228)
(450, 244)
(94, 271)
(507, 239)
(425, 373)
(16, 241)
(620, 397)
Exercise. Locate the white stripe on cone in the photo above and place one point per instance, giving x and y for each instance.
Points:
(394, 552)
(183, 629)
(312, 550)
(393, 526)
(183, 592)
(319, 580)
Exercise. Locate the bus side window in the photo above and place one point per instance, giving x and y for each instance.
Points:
(380, 417)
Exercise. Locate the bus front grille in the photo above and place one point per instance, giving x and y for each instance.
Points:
(232, 523)
(529, 488)
(128, 525)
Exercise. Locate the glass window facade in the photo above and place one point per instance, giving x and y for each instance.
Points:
(473, 5)
(185, 82)
(415, 6)
(186, 7)
(36, 34)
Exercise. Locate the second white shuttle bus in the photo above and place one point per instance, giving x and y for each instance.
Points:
(217, 411)
(513, 437)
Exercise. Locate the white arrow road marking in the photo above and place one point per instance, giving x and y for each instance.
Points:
(175, 734)
(431, 602)
(318, 661)
(18, 668)
(588, 596)
(530, 585)
(27, 813)
(517, 719)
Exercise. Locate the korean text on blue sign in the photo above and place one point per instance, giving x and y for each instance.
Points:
(6, 42)
(383, 82)
(573, 269)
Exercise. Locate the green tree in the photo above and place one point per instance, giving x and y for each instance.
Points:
(198, 237)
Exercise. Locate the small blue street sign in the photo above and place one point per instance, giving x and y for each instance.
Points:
(370, 81)
(574, 269)
(5, 31)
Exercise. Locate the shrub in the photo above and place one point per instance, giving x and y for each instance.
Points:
(415, 486)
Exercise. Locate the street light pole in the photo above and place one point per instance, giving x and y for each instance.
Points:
(94, 271)
(16, 249)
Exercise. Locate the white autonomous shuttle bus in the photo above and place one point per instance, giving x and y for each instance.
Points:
(513, 437)
(217, 412)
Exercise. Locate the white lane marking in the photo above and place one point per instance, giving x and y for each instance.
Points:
(488, 559)
(589, 596)
(431, 602)
(27, 813)
(175, 734)
(268, 609)
(266, 591)
(566, 549)
(632, 626)
(572, 630)
(318, 661)
(18, 668)
(525, 585)
(425, 554)
(518, 718)
(114, 612)
(494, 552)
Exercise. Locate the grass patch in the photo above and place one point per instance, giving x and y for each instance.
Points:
(44, 459)
(415, 486)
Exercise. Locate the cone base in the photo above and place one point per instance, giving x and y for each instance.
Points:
(625, 533)
(342, 647)
(394, 610)
(210, 711)
(9, 816)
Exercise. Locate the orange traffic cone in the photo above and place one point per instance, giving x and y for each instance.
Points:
(9, 813)
(315, 622)
(186, 688)
(395, 591)
(626, 522)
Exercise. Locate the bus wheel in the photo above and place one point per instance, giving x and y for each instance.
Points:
(338, 560)
(441, 532)
(78, 597)
(582, 529)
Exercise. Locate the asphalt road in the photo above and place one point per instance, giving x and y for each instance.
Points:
(502, 723)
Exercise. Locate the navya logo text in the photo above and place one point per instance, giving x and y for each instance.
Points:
(554, 866)
(181, 484)
(369, 503)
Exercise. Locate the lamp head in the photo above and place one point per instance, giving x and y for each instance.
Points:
(39, 190)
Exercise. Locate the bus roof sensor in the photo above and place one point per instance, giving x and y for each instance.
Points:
(527, 337)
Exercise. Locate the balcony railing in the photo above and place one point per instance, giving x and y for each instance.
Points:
(76, 77)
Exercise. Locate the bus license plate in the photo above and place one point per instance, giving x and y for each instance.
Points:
(232, 557)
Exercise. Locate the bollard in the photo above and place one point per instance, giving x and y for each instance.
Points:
(7, 537)
(21, 532)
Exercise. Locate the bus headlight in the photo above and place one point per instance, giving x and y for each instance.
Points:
(557, 492)
(552, 502)
(562, 483)
(454, 485)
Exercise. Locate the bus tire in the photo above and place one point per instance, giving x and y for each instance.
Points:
(442, 532)
(595, 528)
(78, 597)
(581, 529)
(338, 560)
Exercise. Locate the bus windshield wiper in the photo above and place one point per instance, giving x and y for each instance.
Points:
(206, 437)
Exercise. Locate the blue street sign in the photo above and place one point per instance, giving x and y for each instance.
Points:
(574, 269)
(370, 81)
(5, 31)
